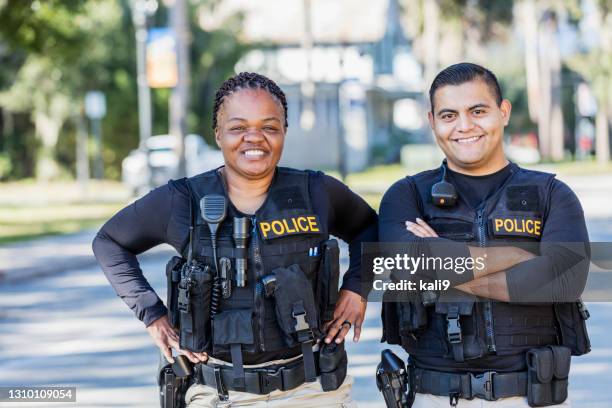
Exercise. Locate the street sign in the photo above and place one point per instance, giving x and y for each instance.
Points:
(162, 70)
(95, 105)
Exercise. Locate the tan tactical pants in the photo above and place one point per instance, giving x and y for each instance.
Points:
(435, 401)
(306, 395)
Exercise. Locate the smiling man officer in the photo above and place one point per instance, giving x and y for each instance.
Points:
(504, 334)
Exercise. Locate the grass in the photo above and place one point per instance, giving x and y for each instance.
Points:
(31, 210)
(24, 223)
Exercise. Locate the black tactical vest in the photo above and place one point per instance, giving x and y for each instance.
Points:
(284, 233)
(457, 325)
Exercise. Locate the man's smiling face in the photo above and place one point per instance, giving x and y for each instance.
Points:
(469, 126)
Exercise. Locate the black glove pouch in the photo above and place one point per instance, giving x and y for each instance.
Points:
(173, 276)
(294, 294)
(332, 365)
(195, 324)
(232, 327)
(548, 371)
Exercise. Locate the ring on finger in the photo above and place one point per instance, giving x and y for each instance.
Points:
(347, 322)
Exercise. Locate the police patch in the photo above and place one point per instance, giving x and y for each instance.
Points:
(517, 225)
(301, 224)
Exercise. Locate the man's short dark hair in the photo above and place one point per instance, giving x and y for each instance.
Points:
(465, 72)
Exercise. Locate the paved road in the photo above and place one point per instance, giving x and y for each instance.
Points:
(70, 329)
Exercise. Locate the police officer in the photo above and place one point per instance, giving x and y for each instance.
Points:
(503, 335)
(253, 300)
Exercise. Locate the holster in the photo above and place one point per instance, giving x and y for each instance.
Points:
(548, 370)
(332, 366)
(392, 380)
(173, 380)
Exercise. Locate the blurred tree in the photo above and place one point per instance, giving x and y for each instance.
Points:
(52, 52)
(66, 52)
(595, 66)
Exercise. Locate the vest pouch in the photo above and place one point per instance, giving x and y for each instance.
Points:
(295, 307)
(328, 280)
(547, 373)
(332, 366)
(462, 333)
(232, 327)
(412, 316)
(173, 276)
(195, 289)
(572, 326)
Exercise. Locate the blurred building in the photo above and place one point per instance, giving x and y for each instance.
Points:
(354, 88)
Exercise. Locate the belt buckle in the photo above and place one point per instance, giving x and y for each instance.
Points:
(482, 385)
(270, 379)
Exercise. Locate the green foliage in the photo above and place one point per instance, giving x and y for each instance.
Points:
(53, 52)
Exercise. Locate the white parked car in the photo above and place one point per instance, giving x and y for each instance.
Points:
(163, 161)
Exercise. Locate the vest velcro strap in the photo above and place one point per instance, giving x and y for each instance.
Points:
(287, 248)
(310, 370)
(268, 250)
(222, 252)
(238, 382)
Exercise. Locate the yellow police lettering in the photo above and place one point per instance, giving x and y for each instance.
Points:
(296, 228)
(277, 227)
(312, 222)
(498, 223)
(518, 226)
(302, 222)
(529, 226)
(265, 228)
(287, 229)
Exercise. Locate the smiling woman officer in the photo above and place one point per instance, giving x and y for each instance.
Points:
(253, 300)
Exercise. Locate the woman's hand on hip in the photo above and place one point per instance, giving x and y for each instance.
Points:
(166, 338)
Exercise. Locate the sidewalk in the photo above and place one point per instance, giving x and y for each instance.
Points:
(46, 256)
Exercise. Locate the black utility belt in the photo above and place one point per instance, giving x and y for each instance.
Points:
(489, 385)
(544, 383)
(262, 380)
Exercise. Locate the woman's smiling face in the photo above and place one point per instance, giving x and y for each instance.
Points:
(251, 132)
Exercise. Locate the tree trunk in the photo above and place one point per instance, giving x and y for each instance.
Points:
(47, 130)
(602, 134)
(550, 118)
(530, 31)
(431, 36)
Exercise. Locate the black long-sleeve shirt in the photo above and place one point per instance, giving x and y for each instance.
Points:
(162, 216)
(564, 224)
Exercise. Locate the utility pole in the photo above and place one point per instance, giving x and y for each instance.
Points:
(141, 10)
(307, 88)
(179, 99)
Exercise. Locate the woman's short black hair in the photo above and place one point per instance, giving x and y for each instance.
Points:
(248, 80)
(465, 72)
